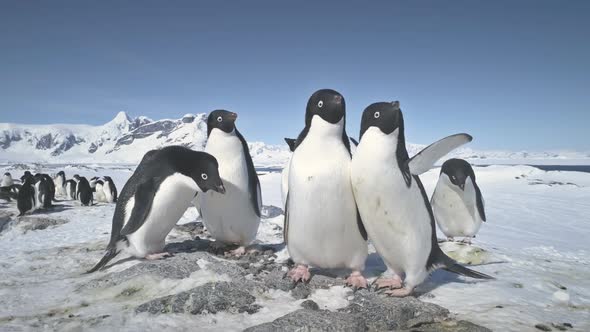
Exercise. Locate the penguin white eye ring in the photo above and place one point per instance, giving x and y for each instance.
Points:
(320, 104)
(377, 115)
(219, 119)
(204, 176)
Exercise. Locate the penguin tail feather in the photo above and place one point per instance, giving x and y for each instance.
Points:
(462, 270)
(110, 254)
(449, 264)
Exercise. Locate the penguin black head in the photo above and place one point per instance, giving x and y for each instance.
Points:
(458, 170)
(205, 172)
(62, 173)
(222, 120)
(107, 178)
(326, 103)
(27, 176)
(385, 116)
(7, 174)
(291, 143)
(77, 177)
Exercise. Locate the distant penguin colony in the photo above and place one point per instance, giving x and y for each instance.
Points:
(457, 202)
(338, 194)
(233, 217)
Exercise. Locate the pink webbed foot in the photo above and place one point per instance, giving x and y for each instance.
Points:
(300, 272)
(391, 283)
(400, 292)
(153, 257)
(356, 280)
(240, 251)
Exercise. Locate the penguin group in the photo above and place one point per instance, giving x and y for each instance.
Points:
(338, 195)
(40, 191)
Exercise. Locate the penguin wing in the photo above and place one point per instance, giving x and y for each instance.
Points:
(144, 198)
(473, 198)
(425, 159)
(253, 182)
(286, 223)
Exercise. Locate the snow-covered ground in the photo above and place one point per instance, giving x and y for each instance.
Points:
(535, 242)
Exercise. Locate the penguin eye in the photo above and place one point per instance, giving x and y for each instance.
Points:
(320, 104)
(204, 176)
(377, 115)
(219, 119)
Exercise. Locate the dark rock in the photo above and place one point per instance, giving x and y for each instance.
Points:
(209, 298)
(312, 320)
(45, 142)
(309, 304)
(388, 313)
(271, 211)
(301, 291)
(276, 279)
(30, 223)
(542, 327)
(193, 228)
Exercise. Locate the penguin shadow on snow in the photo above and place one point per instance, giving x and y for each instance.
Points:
(53, 209)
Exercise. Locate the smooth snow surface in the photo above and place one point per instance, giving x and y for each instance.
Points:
(535, 242)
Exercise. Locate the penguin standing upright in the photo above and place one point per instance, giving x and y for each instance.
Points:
(232, 218)
(92, 183)
(83, 190)
(110, 190)
(392, 200)
(7, 187)
(60, 184)
(155, 197)
(50, 187)
(6, 180)
(43, 191)
(71, 192)
(100, 196)
(457, 202)
(25, 201)
(322, 226)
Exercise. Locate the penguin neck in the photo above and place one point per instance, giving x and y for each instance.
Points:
(322, 128)
(376, 144)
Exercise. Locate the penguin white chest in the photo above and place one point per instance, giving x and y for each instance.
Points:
(170, 202)
(108, 194)
(323, 229)
(395, 216)
(455, 214)
(229, 217)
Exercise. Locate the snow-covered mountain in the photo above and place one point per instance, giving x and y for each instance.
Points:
(126, 140)
(121, 140)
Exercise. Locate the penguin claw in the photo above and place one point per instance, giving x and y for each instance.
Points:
(153, 257)
(299, 273)
(400, 292)
(356, 280)
(391, 283)
(237, 252)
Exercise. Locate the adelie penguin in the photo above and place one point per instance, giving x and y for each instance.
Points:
(83, 190)
(322, 225)
(110, 190)
(8, 189)
(71, 189)
(457, 202)
(232, 218)
(26, 200)
(155, 197)
(44, 190)
(60, 184)
(392, 200)
(99, 192)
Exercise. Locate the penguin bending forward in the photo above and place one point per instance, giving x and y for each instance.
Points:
(457, 202)
(155, 197)
(83, 190)
(392, 200)
(232, 218)
(322, 225)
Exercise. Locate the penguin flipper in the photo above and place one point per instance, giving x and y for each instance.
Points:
(355, 142)
(144, 198)
(473, 199)
(108, 256)
(447, 263)
(291, 143)
(286, 223)
(425, 159)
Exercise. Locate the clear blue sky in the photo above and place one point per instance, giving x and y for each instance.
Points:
(514, 74)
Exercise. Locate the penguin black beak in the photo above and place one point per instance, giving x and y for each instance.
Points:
(220, 189)
(232, 116)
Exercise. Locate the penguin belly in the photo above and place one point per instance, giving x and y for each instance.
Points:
(230, 217)
(169, 204)
(100, 196)
(323, 229)
(107, 193)
(453, 216)
(395, 216)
